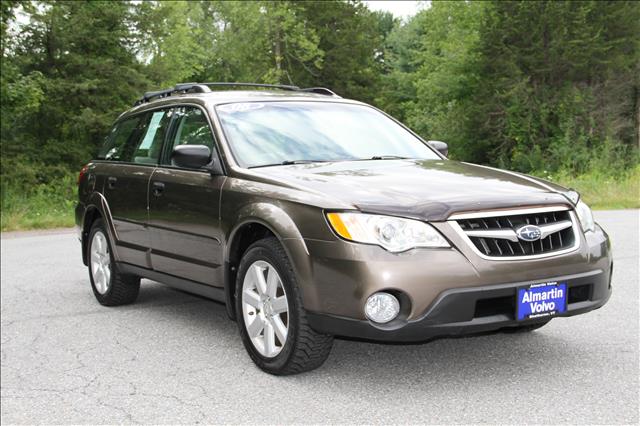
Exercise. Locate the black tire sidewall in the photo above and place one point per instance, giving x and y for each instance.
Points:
(262, 250)
(98, 225)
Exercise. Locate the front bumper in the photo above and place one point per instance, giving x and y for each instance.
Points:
(443, 292)
(463, 311)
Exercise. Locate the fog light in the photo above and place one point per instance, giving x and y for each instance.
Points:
(382, 307)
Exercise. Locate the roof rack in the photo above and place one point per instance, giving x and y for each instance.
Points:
(182, 88)
(272, 86)
(319, 90)
(178, 88)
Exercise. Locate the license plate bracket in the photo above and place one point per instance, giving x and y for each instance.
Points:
(541, 300)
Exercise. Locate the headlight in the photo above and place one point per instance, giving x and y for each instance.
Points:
(392, 233)
(586, 217)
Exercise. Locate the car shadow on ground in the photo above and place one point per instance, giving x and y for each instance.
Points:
(468, 359)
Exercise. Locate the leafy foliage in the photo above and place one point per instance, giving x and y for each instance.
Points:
(548, 87)
(523, 85)
(69, 75)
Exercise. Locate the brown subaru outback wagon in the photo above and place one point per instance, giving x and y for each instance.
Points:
(310, 216)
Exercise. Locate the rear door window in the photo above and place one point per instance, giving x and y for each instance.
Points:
(153, 130)
(137, 139)
(123, 134)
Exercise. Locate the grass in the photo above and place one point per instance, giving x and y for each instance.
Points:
(604, 192)
(51, 206)
(39, 207)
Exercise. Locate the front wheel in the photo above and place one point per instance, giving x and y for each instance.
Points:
(272, 322)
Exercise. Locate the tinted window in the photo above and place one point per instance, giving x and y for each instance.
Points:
(122, 134)
(272, 132)
(152, 130)
(192, 128)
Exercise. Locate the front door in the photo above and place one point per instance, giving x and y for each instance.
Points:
(184, 208)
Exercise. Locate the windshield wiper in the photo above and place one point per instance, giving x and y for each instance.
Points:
(288, 163)
(386, 157)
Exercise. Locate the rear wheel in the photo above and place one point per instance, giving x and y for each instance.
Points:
(110, 287)
(272, 322)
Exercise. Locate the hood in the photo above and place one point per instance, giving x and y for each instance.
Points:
(423, 189)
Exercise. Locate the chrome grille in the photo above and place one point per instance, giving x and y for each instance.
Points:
(494, 235)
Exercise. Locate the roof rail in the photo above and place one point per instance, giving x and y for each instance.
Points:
(320, 91)
(204, 88)
(178, 88)
(272, 86)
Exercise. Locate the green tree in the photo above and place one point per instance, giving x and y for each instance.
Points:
(547, 71)
(77, 72)
(257, 41)
(170, 40)
(434, 72)
(351, 37)
(526, 85)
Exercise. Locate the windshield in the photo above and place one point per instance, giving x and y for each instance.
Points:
(274, 133)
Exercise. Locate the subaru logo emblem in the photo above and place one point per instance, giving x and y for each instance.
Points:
(529, 233)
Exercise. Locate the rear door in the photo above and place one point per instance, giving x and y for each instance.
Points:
(184, 207)
(131, 154)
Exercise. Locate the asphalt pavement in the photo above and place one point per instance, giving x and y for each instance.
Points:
(176, 358)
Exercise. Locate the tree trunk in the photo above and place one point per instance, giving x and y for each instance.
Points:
(278, 52)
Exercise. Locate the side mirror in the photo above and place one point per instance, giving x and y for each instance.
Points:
(191, 156)
(439, 146)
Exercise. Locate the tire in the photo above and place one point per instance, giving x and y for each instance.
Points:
(525, 328)
(110, 287)
(303, 348)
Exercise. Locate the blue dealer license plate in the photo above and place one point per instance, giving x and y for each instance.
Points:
(541, 300)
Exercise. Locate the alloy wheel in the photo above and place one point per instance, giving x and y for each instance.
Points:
(100, 262)
(265, 309)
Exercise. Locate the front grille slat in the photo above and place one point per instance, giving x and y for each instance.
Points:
(484, 246)
(559, 234)
(509, 247)
(497, 244)
(502, 247)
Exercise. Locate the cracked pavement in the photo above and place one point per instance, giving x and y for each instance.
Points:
(176, 358)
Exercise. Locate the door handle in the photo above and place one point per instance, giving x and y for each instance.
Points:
(111, 182)
(157, 188)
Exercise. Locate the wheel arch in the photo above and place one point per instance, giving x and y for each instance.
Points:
(253, 223)
(97, 208)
